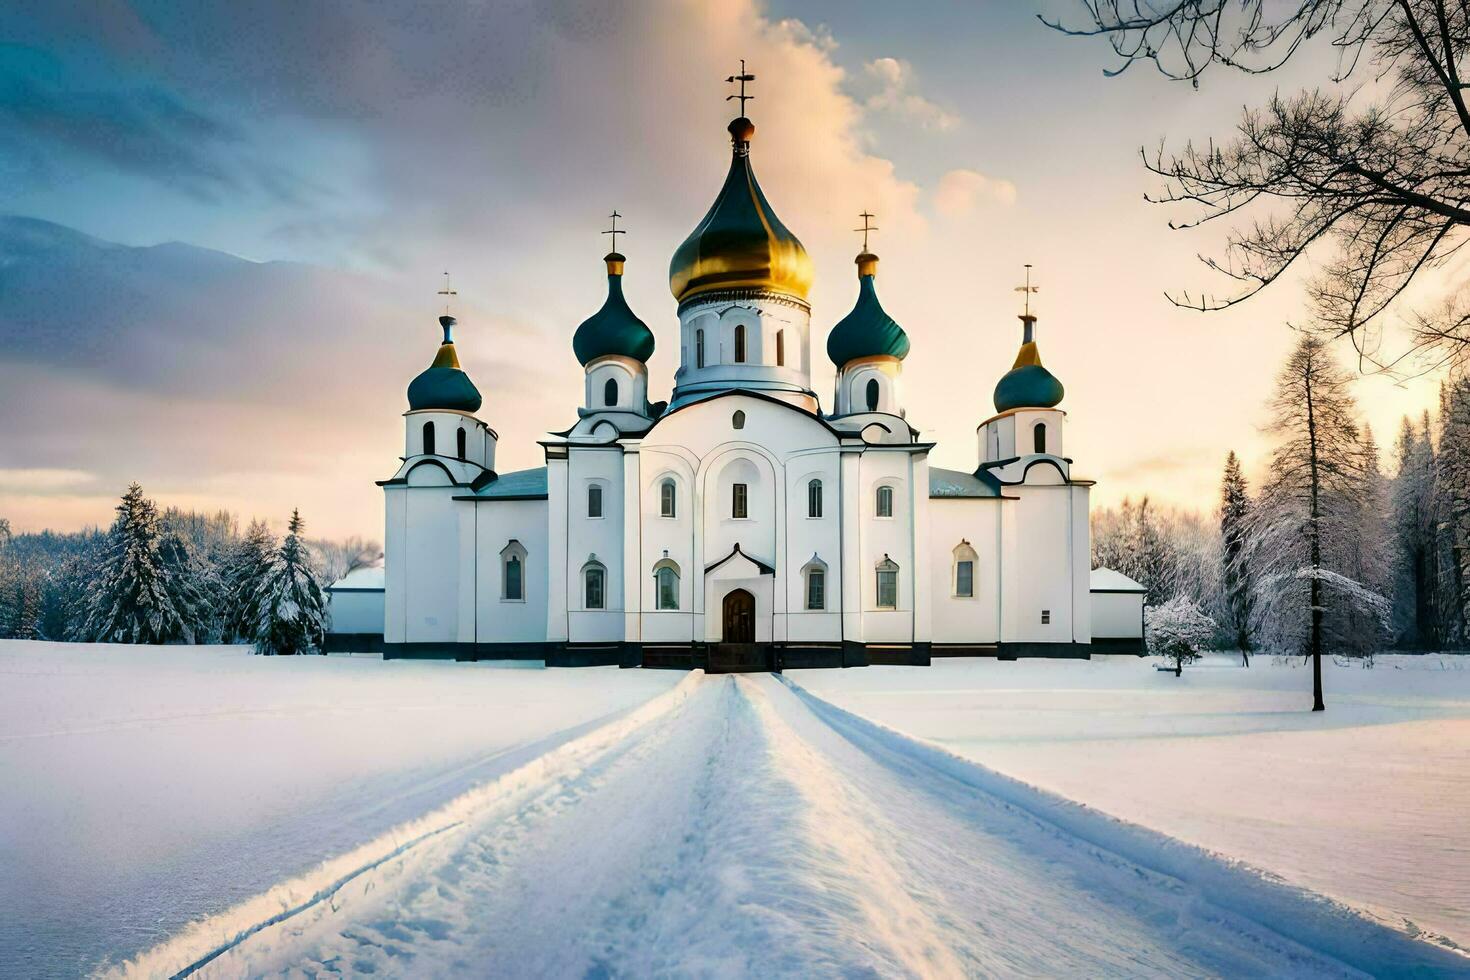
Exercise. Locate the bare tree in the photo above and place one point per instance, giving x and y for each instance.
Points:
(1374, 181)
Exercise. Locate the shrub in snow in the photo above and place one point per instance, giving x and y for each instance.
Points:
(291, 609)
(1176, 630)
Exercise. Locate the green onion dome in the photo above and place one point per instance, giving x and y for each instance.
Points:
(613, 329)
(444, 386)
(1027, 384)
(740, 243)
(868, 331)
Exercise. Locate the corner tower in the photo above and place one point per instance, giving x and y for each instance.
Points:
(741, 280)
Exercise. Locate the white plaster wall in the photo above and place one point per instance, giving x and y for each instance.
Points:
(762, 318)
(479, 439)
(959, 619)
(891, 536)
(807, 538)
(632, 379)
(499, 620)
(1117, 615)
(600, 537)
(1042, 576)
(852, 385)
(428, 551)
(558, 522)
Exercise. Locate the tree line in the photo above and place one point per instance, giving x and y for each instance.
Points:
(173, 576)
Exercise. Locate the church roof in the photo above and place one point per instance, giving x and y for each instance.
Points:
(1108, 580)
(516, 485)
(868, 331)
(740, 243)
(1027, 384)
(955, 483)
(443, 385)
(614, 329)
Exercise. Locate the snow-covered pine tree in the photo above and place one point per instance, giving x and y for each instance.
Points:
(1412, 528)
(245, 568)
(292, 609)
(1235, 571)
(191, 586)
(1177, 630)
(1367, 556)
(1305, 519)
(1453, 476)
(129, 600)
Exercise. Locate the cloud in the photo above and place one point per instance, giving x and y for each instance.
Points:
(41, 480)
(959, 192)
(896, 95)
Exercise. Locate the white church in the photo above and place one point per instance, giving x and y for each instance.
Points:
(740, 525)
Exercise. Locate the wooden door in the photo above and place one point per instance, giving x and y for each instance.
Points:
(739, 617)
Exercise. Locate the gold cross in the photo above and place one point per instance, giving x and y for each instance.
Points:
(446, 292)
(1028, 289)
(615, 231)
(742, 78)
(867, 227)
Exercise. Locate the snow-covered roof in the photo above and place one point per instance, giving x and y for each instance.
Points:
(368, 579)
(1107, 580)
(519, 485)
(954, 483)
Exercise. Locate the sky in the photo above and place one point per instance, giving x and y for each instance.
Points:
(342, 156)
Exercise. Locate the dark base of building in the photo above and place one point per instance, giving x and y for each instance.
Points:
(353, 643)
(734, 658)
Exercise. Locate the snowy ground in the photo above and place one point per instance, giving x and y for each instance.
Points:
(146, 787)
(325, 816)
(1368, 802)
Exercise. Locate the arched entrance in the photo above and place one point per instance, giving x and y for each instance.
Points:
(739, 617)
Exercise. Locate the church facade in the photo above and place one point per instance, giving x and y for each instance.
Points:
(739, 525)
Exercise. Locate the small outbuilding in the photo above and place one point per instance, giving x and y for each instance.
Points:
(355, 602)
(1117, 612)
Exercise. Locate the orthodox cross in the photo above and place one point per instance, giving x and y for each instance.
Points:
(615, 231)
(867, 227)
(447, 292)
(742, 78)
(1027, 289)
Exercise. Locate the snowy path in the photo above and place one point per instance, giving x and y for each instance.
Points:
(737, 825)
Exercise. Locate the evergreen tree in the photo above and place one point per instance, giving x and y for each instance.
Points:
(292, 609)
(129, 597)
(1414, 622)
(1235, 570)
(190, 582)
(244, 569)
(1306, 519)
(1453, 508)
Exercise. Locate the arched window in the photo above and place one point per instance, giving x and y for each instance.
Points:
(964, 570)
(872, 394)
(887, 584)
(667, 499)
(780, 348)
(815, 573)
(699, 348)
(737, 421)
(594, 500)
(666, 585)
(884, 503)
(610, 392)
(428, 438)
(739, 343)
(814, 498)
(594, 586)
(740, 500)
(1038, 436)
(513, 572)
(459, 442)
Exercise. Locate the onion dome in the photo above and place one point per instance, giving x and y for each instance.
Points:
(613, 329)
(740, 244)
(444, 386)
(868, 331)
(1027, 384)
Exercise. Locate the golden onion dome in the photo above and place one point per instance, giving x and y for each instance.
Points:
(740, 243)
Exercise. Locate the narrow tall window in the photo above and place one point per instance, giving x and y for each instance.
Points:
(428, 438)
(885, 502)
(594, 582)
(594, 501)
(887, 584)
(739, 343)
(814, 498)
(1038, 435)
(514, 583)
(816, 588)
(872, 394)
(739, 504)
(737, 421)
(964, 578)
(699, 348)
(459, 442)
(666, 585)
(667, 498)
(780, 348)
(610, 392)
